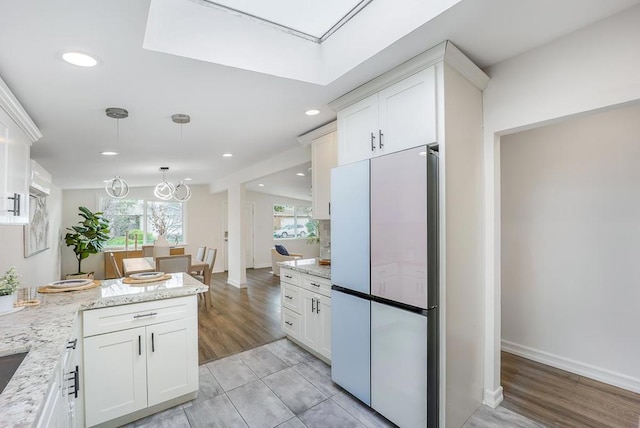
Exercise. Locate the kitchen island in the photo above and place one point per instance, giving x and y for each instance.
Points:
(306, 305)
(44, 333)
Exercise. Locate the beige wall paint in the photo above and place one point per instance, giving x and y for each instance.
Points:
(40, 268)
(571, 241)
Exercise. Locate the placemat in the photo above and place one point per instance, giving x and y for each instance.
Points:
(132, 281)
(46, 289)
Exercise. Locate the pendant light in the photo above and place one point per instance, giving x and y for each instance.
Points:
(164, 190)
(117, 188)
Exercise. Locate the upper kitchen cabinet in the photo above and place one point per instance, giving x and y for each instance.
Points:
(17, 132)
(323, 157)
(400, 116)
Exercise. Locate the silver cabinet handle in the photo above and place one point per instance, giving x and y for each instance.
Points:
(72, 344)
(373, 142)
(288, 276)
(317, 306)
(288, 323)
(139, 345)
(153, 343)
(380, 143)
(16, 204)
(315, 285)
(288, 297)
(313, 305)
(150, 314)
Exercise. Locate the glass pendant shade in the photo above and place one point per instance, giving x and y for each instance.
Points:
(182, 192)
(164, 190)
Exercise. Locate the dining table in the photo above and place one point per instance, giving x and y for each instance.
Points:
(148, 264)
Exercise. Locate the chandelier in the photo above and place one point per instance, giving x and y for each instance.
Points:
(117, 188)
(166, 190)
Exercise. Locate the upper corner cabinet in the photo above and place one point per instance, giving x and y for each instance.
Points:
(398, 117)
(14, 175)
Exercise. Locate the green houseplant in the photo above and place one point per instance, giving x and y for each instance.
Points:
(9, 283)
(89, 236)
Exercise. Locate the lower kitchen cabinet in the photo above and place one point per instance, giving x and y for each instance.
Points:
(152, 359)
(64, 404)
(306, 311)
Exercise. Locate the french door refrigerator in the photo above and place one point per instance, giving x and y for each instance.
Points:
(384, 277)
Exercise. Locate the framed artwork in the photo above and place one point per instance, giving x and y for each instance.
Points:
(36, 233)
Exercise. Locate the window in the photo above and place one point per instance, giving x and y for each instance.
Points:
(292, 222)
(136, 219)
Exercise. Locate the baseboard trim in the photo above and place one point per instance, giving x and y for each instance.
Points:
(236, 283)
(587, 370)
(493, 398)
(261, 265)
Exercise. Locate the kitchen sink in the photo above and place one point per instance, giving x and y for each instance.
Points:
(8, 366)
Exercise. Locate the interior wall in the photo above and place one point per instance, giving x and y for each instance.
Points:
(263, 229)
(41, 268)
(570, 240)
(590, 69)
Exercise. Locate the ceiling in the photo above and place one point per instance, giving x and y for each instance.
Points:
(253, 115)
(286, 183)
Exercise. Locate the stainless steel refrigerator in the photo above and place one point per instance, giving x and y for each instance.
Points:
(384, 244)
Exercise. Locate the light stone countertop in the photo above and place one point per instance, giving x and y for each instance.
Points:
(43, 331)
(309, 266)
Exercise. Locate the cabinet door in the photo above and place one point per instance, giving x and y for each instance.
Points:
(15, 167)
(408, 113)
(53, 412)
(358, 131)
(309, 335)
(323, 313)
(115, 375)
(172, 359)
(323, 158)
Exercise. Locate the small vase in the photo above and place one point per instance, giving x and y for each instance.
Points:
(161, 247)
(6, 302)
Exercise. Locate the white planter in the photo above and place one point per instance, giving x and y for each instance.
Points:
(161, 247)
(6, 302)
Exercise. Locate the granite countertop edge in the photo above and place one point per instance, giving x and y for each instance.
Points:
(43, 331)
(308, 266)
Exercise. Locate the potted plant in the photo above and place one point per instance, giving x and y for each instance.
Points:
(8, 285)
(87, 238)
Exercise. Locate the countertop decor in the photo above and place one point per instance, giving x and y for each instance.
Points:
(310, 266)
(43, 331)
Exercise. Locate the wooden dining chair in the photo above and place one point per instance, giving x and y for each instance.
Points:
(172, 264)
(114, 265)
(199, 257)
(211, 261)
(147, 251)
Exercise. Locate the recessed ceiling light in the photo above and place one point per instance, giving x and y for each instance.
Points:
(260, 185)
(188, 179)
(312, 112)
(301, 174)
(108, 153)
(79, 59)
(227, 155)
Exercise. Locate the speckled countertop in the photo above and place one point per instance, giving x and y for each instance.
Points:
(309, 266)
(43, 331)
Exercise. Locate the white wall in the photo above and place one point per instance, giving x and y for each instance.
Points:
(204, 217)
(593, 68)
(570, 244)
(263, 229)
(41, 268)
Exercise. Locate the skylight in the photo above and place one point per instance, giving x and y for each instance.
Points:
(313, 20)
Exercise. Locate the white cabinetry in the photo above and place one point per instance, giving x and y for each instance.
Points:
(14, 172)
(306, 311)
(64, 404)
(398, 117)
(138, 356)
(323, 158)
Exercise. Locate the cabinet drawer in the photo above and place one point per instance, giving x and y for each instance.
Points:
(291, 297)
(317, 284)
(291, 323)
(290, 276)
(105, 320)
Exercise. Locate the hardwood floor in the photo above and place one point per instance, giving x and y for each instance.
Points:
(557, 398)
(239, 319)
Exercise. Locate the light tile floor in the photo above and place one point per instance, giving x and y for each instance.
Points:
(281, 385)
